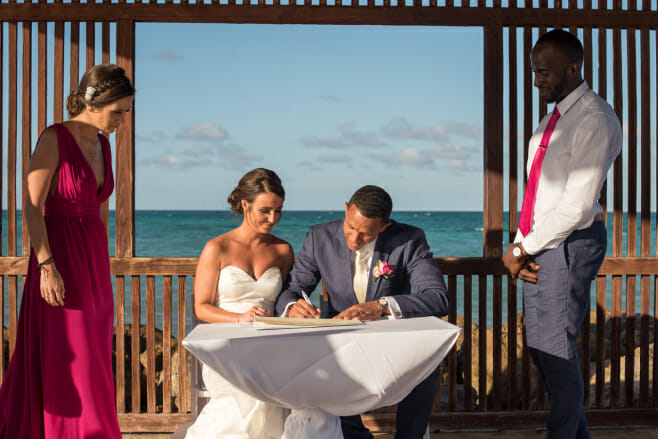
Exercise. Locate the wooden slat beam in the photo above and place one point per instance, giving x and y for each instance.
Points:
(493, 142)
(26, 129)
(450, 266)
(363, 15)
(125, 151)
(135, 372)
(120, 343)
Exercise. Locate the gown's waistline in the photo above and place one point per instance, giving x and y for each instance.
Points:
(72, 208)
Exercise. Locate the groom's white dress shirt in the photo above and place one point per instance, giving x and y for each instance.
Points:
(367, 251)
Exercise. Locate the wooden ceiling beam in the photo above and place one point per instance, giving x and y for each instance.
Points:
(325, 15)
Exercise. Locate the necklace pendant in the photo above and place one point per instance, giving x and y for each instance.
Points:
(93, 156)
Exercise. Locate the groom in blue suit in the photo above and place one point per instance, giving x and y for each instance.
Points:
(369, 265)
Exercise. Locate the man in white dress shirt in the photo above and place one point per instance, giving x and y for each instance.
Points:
(561, 241)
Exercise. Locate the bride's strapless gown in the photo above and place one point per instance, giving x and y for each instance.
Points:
(230, 413)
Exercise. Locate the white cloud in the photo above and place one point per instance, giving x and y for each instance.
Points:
(451, 151)
(349, 132)
(463, 129)
(228, 157)
(348, 136)
(237, 157)
(324, 142)
(172, 161)
(400, 128)
(413, 157)
(154, 136)
(204, 132)
(451, 157)
(200, 151)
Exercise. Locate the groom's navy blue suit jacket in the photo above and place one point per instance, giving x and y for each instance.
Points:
(325, 256)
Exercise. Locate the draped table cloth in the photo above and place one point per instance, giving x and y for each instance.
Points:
(325, 372)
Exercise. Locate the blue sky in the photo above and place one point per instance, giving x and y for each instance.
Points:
(329, 108)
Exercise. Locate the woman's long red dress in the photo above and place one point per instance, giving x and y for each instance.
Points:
(59, 384)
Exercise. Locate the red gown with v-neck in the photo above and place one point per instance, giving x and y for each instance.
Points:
(59, 383)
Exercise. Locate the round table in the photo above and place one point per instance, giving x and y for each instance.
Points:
(322, 373)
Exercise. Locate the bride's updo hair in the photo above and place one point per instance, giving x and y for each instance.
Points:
(254, 183)
(99, 86)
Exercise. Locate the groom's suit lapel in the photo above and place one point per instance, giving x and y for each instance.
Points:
(381, 252)
(344, 264)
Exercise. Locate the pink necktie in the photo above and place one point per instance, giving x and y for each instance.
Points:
(530, 196)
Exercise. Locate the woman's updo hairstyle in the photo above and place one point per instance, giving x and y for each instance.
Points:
(254, 183)
(99, 86)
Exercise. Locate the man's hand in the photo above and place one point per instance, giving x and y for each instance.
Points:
(363, 311)
(529, 273)
(303, 310)
(514, 264)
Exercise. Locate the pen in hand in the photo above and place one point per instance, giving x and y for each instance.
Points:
(308, 300)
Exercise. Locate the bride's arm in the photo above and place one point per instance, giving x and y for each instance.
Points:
(205, 286)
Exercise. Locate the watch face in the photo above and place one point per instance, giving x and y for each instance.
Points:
(383, 301)
(516, 252)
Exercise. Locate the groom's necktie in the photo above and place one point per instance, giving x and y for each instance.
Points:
(530, 196)
(360, 275)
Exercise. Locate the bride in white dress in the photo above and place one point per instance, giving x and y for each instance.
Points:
(239, 275)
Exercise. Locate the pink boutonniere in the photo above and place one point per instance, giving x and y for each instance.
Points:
(382, 269)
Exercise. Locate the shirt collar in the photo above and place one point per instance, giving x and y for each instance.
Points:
(368, 249)
(565, 104)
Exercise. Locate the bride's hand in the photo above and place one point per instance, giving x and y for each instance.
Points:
(253, 312)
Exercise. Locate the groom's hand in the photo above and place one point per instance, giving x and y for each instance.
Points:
(362, 311)
(303, 310)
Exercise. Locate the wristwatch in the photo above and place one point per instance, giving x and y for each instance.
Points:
(383, 303)
(517, 252)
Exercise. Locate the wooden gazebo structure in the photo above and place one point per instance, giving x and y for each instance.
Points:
(147, 388)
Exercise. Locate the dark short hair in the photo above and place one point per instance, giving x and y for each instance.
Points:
(565, 42)
(373, 202)
(254, 183)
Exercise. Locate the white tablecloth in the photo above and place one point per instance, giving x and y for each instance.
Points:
(336, 370)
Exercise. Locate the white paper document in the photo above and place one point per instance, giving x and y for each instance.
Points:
(292, 323)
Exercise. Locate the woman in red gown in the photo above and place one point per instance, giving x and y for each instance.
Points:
(59, 383)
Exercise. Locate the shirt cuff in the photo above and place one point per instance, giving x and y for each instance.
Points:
(394, 308)
(288, 306)
(530, 244)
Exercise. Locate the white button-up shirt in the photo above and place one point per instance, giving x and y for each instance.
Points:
(584, 144)
(369, 250)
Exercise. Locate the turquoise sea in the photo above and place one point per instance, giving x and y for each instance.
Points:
(184, 233)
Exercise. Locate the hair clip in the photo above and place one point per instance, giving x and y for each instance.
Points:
(89, 94)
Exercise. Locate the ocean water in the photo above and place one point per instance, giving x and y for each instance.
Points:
(184, 233)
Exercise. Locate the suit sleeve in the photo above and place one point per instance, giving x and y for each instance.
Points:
(430, 295)
(304, 275)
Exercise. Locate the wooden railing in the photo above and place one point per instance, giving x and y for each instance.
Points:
(488, 380)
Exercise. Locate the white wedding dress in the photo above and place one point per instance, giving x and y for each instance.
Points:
(230, 413)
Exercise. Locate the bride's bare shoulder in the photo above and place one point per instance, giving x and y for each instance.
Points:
(218, 246)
